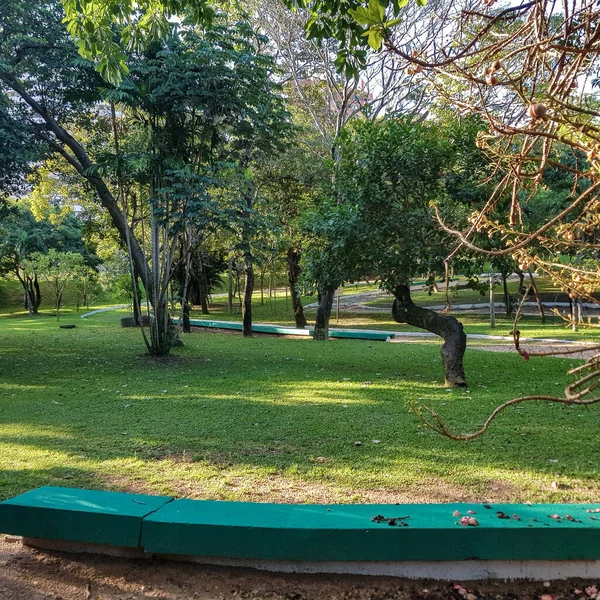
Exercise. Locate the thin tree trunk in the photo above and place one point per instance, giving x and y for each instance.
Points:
(185, 306)
(293, 260)
(521, 275)
(447, 327)
(203, 289)
(37, 294)
(248, 290)
(537, 298)
(238, 287)
(230, 285)
(507, 303)
(136, 301)
(137, 308)
(325, 295)
(59, 294)
(572, 314)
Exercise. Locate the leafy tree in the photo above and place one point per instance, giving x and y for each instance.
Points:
(209, 109)
(58, 269)
(289, 185)
(107, 30)
(357, 25)
(22, 235)
(201, 101)
(382, 223)
(524, 67)
(51, 89)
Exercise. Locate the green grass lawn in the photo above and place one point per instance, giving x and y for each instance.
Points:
(272, 419)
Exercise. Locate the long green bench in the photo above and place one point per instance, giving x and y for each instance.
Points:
(75, 515)
(419, 532)
(308, 532)
(357, 334)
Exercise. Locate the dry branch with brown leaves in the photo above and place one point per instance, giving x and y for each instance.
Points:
(528, 70)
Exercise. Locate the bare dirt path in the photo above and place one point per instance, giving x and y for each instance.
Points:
(583, 354)
(28, 574)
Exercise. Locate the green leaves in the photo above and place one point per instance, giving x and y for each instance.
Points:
(375, 37)
(357, 26)
(91, 23)
(371, 15)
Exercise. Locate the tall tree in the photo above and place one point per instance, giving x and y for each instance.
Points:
(527, 69)
(382, 223)
(48, 88)
(211, 96)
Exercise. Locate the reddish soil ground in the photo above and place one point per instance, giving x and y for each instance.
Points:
(28, 574)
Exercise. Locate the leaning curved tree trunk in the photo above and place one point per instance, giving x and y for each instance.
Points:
(326, 295)
(448, 328)
(293, 261)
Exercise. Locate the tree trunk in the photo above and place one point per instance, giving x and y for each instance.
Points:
(572, 314)
(136, 300)
(203, 289)
(37, 296)
(238, 287)
(58, 303)
(230, 285)
(33, 285)
(248, 290)
(186, 318)
(293, 260)
(507, 303)
(537, 298)
(137, 308)
(521, 275)
(28, 299)
(326, 295)
(81, 162)
(162, 330)
(448, 328)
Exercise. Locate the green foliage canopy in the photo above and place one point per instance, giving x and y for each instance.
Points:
(357, 25)
(378, 219)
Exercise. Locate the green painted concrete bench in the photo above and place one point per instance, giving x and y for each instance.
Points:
(74, 515)
(357, 334)
(428, 532)
(307, 532)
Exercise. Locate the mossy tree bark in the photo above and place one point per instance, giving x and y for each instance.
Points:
(448, 328)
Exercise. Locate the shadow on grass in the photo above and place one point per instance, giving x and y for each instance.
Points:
(228, 407)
